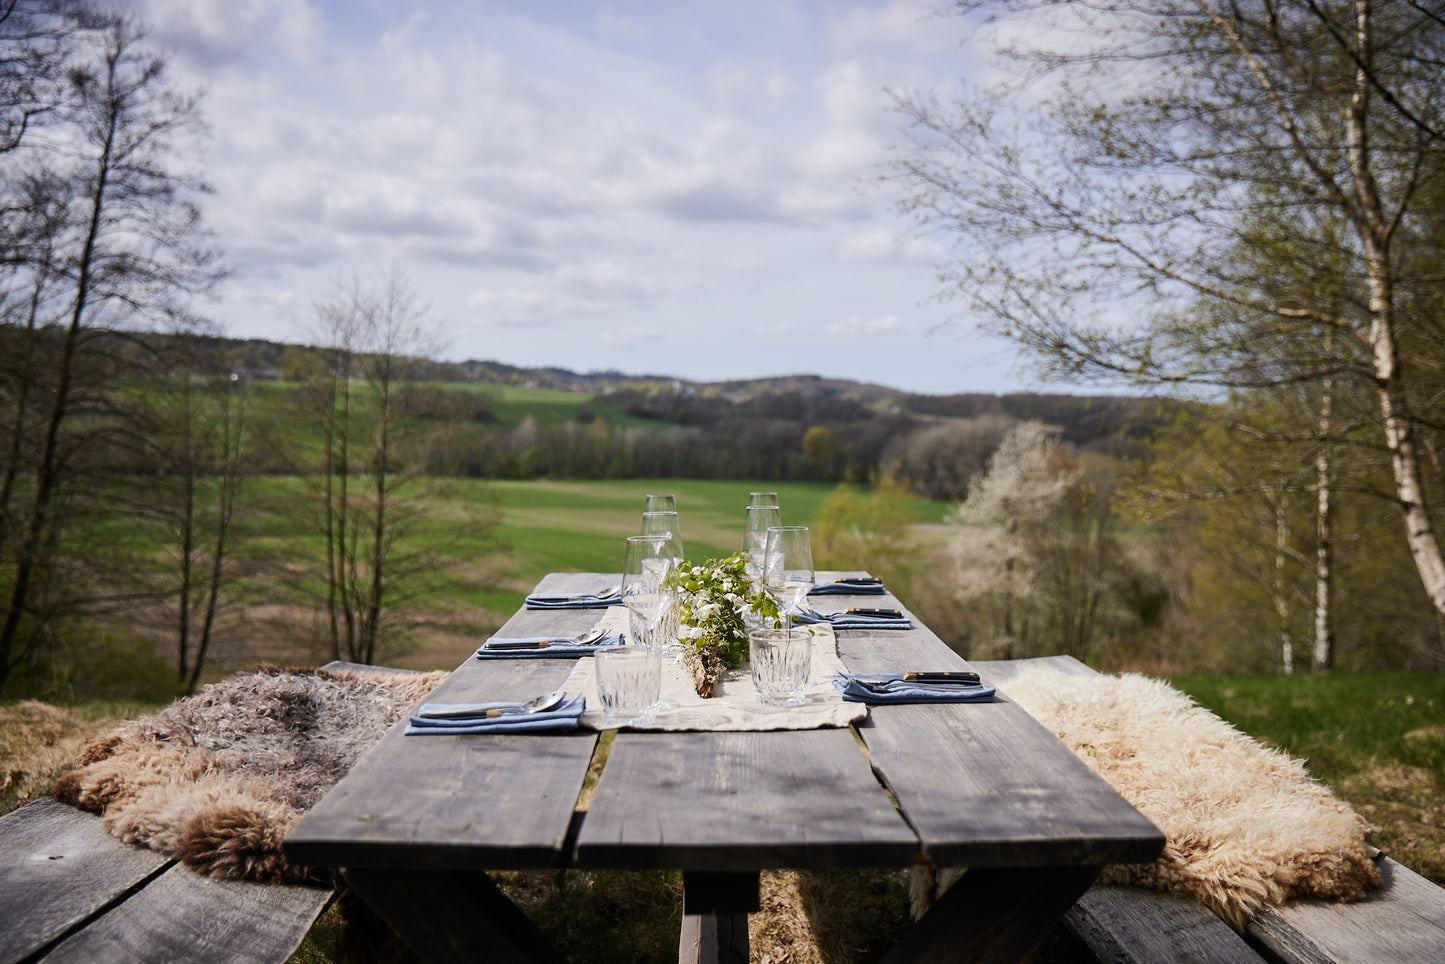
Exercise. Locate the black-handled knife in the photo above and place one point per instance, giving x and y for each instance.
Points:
(531, 644)
(957, 676)
(860, 581)
(882, 613)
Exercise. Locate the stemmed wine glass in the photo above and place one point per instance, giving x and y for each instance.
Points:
(788, 566)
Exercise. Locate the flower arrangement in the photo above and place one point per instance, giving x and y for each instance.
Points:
(715, 600)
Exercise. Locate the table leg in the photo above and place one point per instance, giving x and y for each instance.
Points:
(452, 916)
(993, 914)
(715, 908)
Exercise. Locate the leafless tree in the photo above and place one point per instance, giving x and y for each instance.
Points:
(126, 247)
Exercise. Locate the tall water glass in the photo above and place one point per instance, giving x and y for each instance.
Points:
(649, 591)
(788, 566)
(663, 528)
(756, 523)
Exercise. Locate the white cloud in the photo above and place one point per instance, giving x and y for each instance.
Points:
(862, 326)
(211, 32)
(882, 245)
(908, 24)
(629, 166)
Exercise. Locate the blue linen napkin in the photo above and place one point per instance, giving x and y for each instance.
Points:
(852, 620)
(558, 647)
(572, 600)
(848, 589)
(564, 717)
(882, 688)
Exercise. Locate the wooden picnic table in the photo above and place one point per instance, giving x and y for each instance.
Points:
(420, 819)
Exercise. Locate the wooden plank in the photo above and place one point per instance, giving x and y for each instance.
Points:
(451, 801)
(741, 801)
(452, 916)
(1129, 925)
(182, 916)
(57, 869)
(713, 939)
(985, 785)
(1402, 921)
(715, 908)
(992, 915)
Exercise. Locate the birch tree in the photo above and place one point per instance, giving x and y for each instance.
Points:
(1114, 203)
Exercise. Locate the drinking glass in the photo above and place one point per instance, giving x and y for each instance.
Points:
(649, 591)
(788, 566)
(756, 522)
(763, 498)
(661, 503)
(662, 527)
(629, 679)
(781, 661)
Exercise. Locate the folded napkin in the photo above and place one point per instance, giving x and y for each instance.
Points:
(852, 620)
(880, 688)
(563, 717)
(542, 647)
(844, 588)
(572, 600)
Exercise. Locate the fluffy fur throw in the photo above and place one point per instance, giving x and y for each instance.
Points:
(1246, 826)
(217, 779)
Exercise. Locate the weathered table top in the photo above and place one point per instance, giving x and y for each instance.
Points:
(980, 785)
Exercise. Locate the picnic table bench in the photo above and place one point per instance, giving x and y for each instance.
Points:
(1401, 922)
(69, 891)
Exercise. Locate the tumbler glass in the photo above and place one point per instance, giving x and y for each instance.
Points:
(781, 660)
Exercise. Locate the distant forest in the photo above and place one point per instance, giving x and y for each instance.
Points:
(797, 427)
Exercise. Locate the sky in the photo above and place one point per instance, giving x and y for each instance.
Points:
(685, 189)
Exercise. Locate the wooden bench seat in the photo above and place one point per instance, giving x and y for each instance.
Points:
(1402, 921)
(69, 891)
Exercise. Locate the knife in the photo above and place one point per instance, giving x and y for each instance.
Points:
(528, 644)
(860, 581)
(955, 676)
(882, 613)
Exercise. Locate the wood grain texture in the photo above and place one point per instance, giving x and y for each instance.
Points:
(181, 916)
(983, 783)
(462, 802)
(453, 917)
(1127, 925)
(58, 868)
(741, 801)
(1402, 921)
(713, 939)
(500, 801)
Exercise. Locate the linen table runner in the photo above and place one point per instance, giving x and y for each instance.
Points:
(734, 704)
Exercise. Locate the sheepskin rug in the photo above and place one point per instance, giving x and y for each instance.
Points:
(1246, 825)
(216, 779)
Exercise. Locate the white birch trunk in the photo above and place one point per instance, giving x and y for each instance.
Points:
(1324, 535)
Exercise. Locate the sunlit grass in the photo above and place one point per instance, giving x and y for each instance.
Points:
(1377, 739)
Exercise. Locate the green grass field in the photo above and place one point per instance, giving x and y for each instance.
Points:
(1378, 739)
